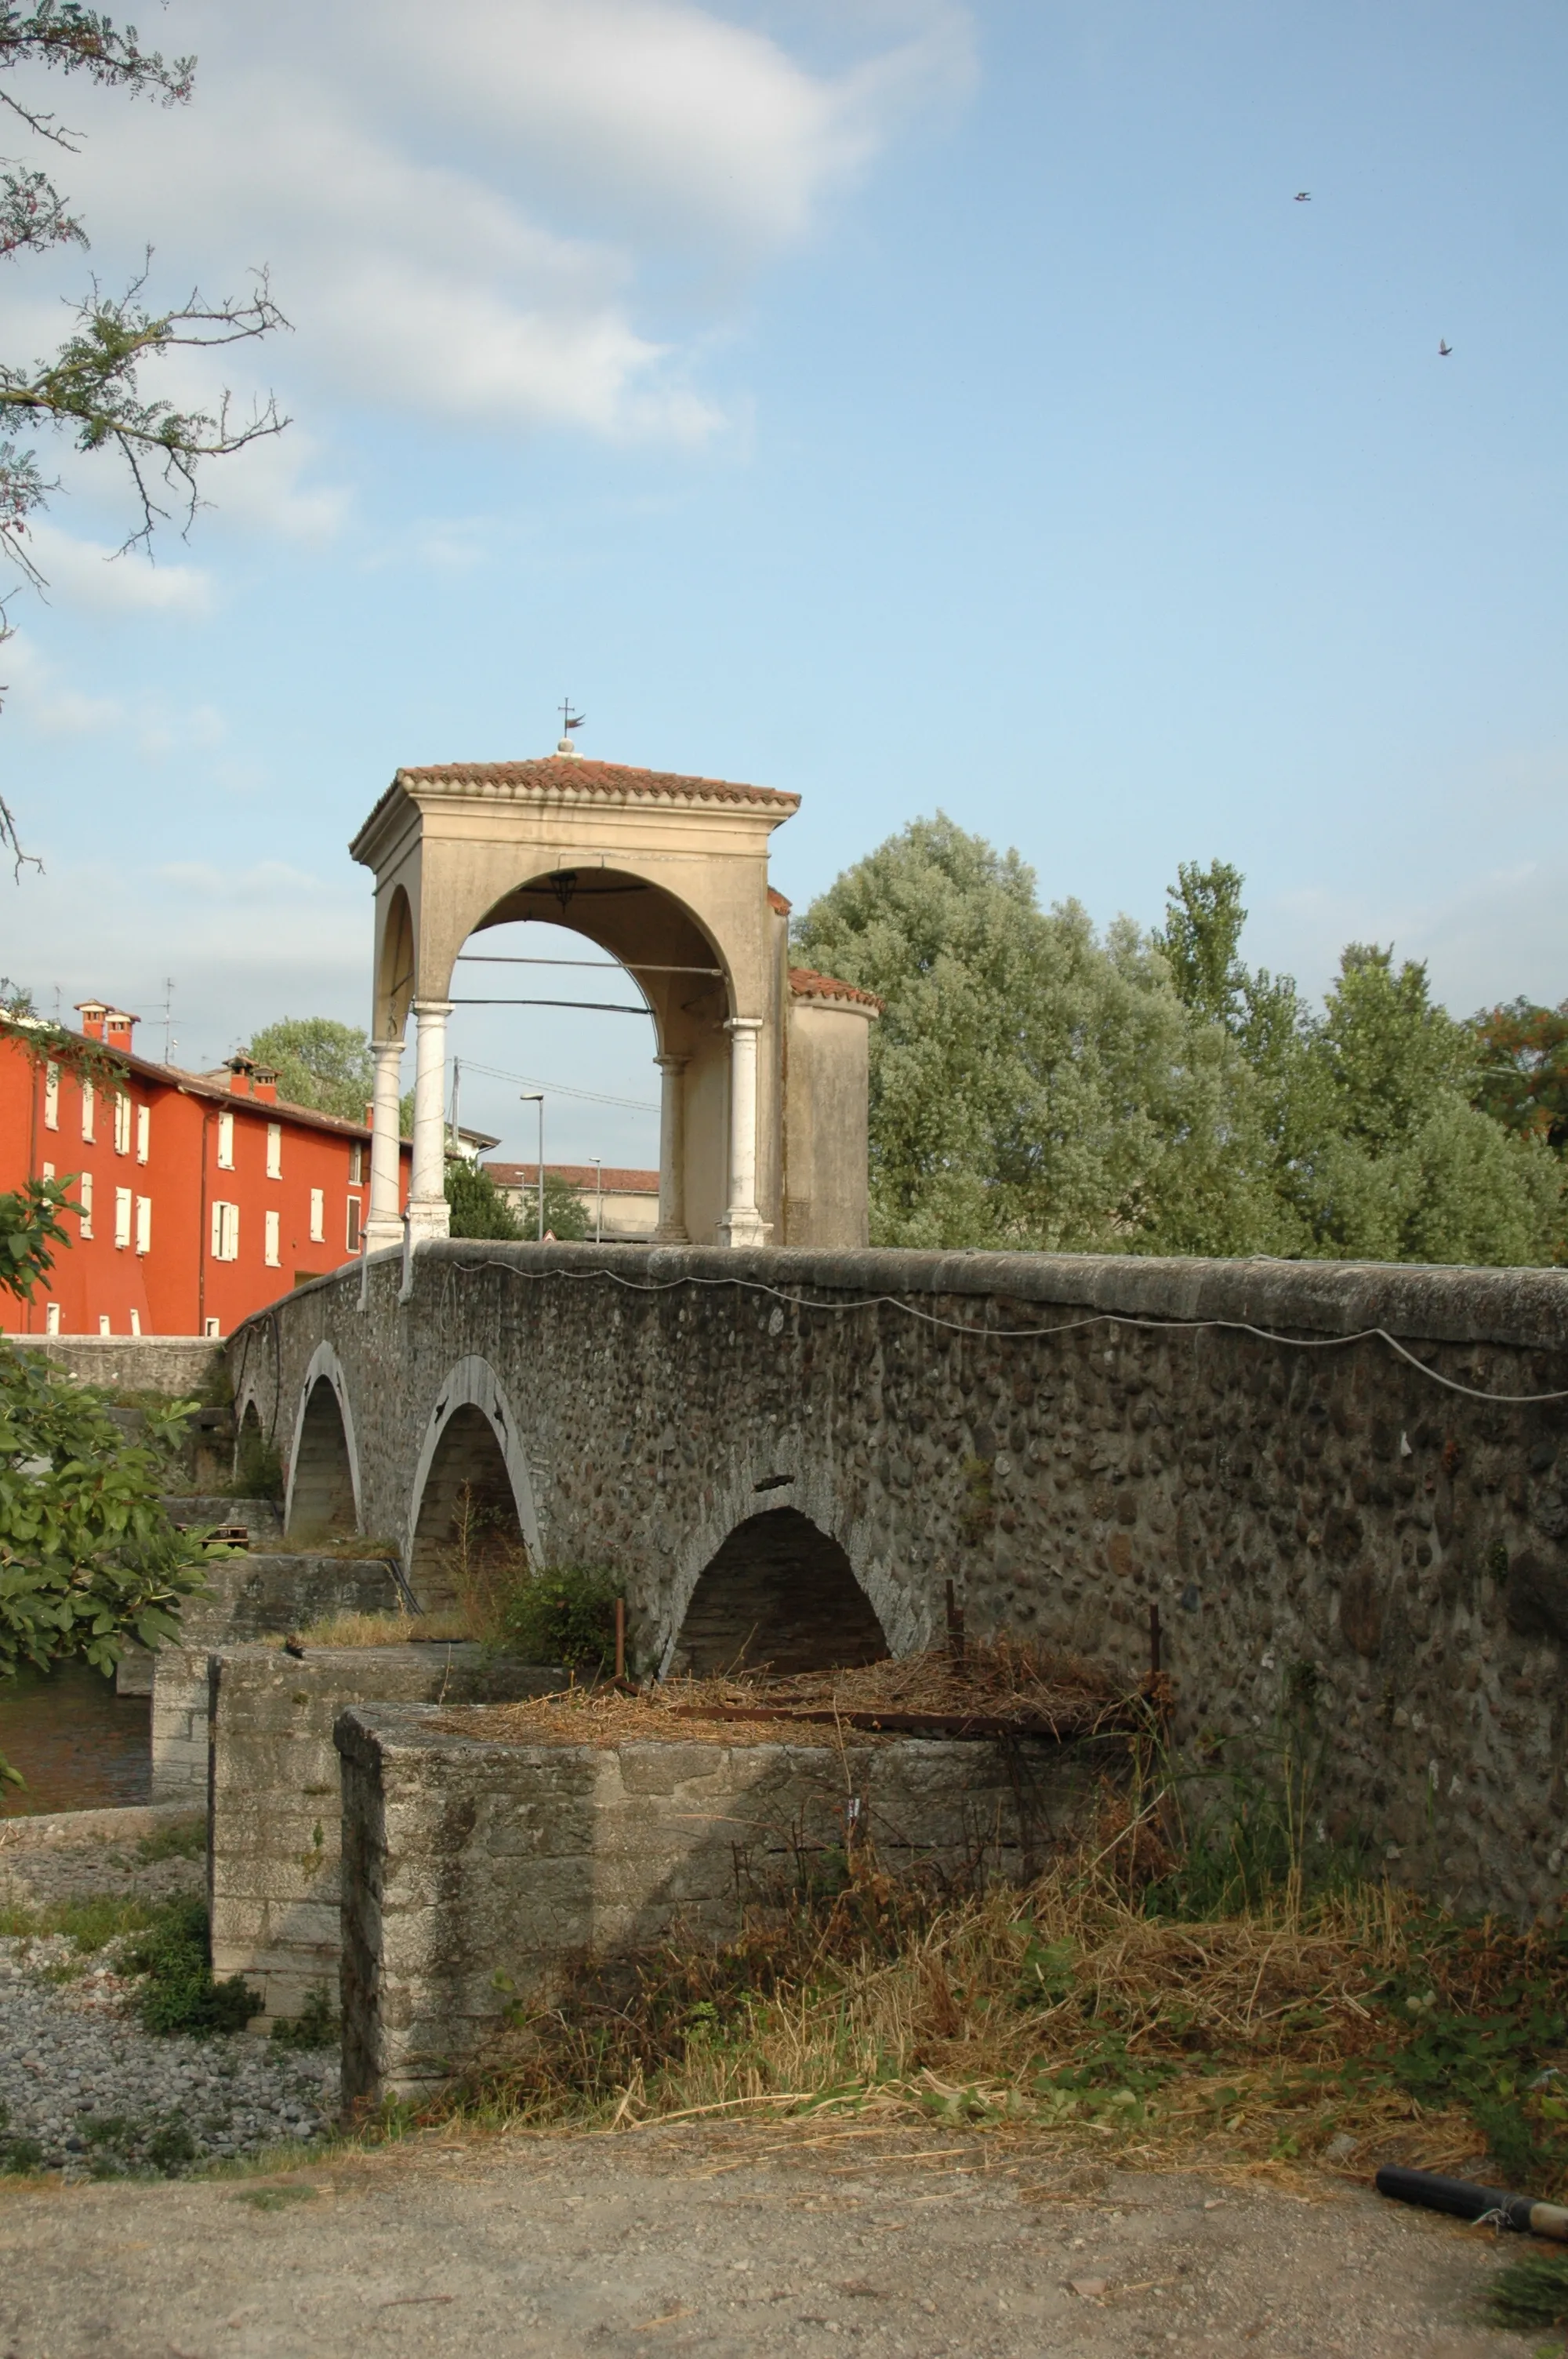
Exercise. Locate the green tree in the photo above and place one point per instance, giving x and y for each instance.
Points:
(91, 388)
(477, 1205)
(1405, 1166)
(1031, 1083)
(318, 1063)
(1522, 1071)
(88, 1557)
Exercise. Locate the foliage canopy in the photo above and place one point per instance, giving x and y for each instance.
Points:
(1037, 1085)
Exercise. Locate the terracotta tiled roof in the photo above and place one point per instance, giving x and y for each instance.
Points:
(805, 984)
(573, 774)
(617, 1182)
(777, 902)
(215, 1087)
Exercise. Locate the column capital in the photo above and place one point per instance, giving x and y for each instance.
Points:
(386, 1048)
(743, 1023)
(432, 1006)
(672, 1064)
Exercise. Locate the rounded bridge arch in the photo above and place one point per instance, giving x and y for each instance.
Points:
(473, 1446)
(323, 1493)
(826, 1601)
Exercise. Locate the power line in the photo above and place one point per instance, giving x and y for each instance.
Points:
(561, 1089)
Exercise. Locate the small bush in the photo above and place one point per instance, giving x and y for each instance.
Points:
(1531, 2291)
(179, 1994)
(17, 2154)
(563, 1614)
(258, 1468)
(315, 2025)
(185, 1839)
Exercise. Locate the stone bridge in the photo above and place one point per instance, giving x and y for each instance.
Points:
(1341, 1489)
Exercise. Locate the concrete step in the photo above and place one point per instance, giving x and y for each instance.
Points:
(262, 1518)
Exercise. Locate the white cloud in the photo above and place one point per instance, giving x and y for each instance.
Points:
(463, 208)
(95, 574)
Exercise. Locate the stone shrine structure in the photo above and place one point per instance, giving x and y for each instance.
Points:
(764, 1067)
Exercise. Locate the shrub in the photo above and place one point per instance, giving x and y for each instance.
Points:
(179, 1994)
(563, 1614)
(315, 2025)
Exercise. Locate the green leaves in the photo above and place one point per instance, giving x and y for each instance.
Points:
(88, 1557)
(29, 1230)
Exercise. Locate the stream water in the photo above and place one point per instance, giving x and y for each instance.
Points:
(79, 1745)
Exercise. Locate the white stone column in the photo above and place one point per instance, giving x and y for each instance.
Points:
(671, 1230)
(384, 1225)
(742, 1225)
(428, 1213)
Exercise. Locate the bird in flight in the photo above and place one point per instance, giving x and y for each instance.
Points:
(1442, 350)
(1303, 196)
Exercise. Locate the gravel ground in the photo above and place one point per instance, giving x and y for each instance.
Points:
(734, 2244)
(84, 2088)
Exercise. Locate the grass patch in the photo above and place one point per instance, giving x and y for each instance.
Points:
(304, 1541)
(275, 2198)
(385, 1629)
(181, 1839)
(87, 1923)
(179, 1994)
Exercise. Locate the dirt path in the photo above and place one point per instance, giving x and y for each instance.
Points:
(734, 2243)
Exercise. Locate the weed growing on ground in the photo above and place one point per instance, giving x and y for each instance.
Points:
(384, 1630)
(87, 1924)
(563, 1614)
(18, 2156)
(179, 1994)
(183, 1839)
(1531, 2291)
(315, 2025)
(275, 2198)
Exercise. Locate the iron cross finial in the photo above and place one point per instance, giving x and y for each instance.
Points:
(570, 719)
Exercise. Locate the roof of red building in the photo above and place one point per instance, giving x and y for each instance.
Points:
(806, 983)
(617, 1182)
(573, 773)
(205, 1086)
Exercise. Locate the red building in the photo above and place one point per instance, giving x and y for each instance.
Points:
(203, 1196)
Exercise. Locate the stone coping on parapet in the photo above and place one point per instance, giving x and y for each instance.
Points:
(1524, 1309)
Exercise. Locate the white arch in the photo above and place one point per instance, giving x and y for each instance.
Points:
(810, 1489)
(473, 1383)
(324, 1362)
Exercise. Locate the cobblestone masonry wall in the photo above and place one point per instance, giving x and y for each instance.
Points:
(476, 1872)
(1316, 1508)
(253, 1597)
(274, 1850)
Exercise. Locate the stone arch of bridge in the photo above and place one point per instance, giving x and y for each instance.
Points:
(472, 1493)
(778, 1591)
(323, 1494)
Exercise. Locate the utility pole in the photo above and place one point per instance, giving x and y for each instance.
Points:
(598, 1163)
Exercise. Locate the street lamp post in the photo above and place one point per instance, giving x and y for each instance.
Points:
(536, 1097)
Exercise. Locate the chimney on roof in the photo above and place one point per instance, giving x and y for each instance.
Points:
(241, 1074)
(93, 1013)
(118, 1028)
(263, 1084)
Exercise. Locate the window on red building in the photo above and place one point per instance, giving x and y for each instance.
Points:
(353, 1224)
(122, 1216)
(357, 1164)
(273, 1242)
(317, 1216)
(225, 1142)
(122, 1122)
(275, 1150)
(89, 1107)
(84, 1198)
(225, 1232)
(51, 1097)
(144, 1224)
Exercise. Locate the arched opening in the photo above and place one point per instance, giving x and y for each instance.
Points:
(468, 1539)
(395, 968)
(257, 1473)
(781, 1595)
(321, 1494)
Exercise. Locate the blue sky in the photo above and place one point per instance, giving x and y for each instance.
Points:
(908, 404)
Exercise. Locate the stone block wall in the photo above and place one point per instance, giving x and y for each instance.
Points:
(253, 1597)
(466, 1860)
(275, 1840)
